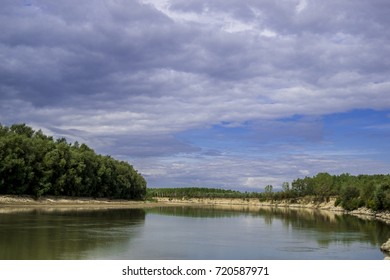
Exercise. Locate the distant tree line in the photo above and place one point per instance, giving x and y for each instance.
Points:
(192, 192)
(351, 192)
(32, 163)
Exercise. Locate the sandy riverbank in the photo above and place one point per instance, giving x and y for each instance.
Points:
(253, 202)
(11, 201)
(63, 202)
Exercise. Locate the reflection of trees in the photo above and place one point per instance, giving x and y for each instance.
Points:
(56, 234)
(328, 227)
(195, 212)
(72, 234)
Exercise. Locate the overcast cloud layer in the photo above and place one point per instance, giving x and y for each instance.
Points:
(224, 93)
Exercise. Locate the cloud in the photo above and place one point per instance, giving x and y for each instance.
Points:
(137, 78)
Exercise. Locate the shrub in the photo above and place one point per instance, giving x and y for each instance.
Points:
(349, 198)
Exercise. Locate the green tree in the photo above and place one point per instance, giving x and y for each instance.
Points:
(323, 185)
(286, 187)
(382, 197)
(268, 191)
(350, 198)
(33, 163)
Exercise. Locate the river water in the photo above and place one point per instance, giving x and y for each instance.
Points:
(188, 233)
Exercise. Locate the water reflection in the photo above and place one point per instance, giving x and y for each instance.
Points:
(183, 232)
(295, 230)
(65, 234)
(198, 212)
(329, 226)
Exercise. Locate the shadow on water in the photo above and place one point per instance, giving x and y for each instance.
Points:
(325, 227)
(65, 234)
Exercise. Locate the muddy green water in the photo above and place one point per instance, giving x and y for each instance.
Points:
(188, 233)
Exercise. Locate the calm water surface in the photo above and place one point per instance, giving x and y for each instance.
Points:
(188, 233)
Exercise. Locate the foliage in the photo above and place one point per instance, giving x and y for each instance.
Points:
(35, 164)
(351, 192)
(371, 191)
(382, 197)
(193, 193)
(349, 198)
(268, 192)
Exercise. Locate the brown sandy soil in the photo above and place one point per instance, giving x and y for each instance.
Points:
(12, 201)
(8, 201)
(253, 202)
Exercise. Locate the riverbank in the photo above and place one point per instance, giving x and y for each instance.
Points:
(302, 203)
(81, 202)
(13, 201)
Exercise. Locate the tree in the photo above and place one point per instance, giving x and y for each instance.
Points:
(350, 198)
(286, 187)
(33, 163)
(22, 129)
(323, 184)
(382, 197)
(268, 191)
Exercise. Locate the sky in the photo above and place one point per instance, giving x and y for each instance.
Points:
(226, 93)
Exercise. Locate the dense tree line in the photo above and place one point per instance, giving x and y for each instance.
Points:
(32, 163)
(351, 192)
(192, 193)
(371, 191)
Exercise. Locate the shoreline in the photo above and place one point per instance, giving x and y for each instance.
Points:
(87, 203)
(9, 202)
(16, 201)
(303, 204)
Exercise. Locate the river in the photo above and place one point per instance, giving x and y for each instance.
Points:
(183, 232)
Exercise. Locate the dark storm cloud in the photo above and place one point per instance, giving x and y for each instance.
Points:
(128, 77)
(321, 36)
(55, 52)
(82, 48)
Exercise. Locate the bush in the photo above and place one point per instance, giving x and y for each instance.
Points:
(349, 198)
(382, 197)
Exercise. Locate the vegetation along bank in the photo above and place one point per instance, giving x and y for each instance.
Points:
(349, 192)
(32, 163)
